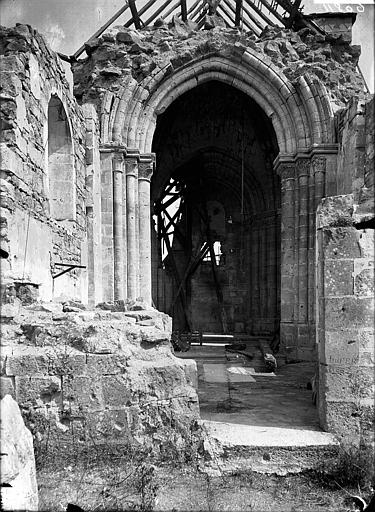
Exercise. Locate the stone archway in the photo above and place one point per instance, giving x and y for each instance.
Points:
(301, 117)
(219, 147)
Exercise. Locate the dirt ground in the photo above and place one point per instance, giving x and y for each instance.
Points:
(118, 486)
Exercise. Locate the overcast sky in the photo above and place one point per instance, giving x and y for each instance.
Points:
(68, 23)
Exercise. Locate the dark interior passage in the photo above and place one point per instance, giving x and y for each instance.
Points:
(216, 247)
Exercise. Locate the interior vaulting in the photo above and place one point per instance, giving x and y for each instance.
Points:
(217, 146)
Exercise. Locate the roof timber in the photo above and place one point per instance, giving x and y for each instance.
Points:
(252, 15)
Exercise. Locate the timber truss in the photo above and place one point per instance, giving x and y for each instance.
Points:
(173, 212)
(249, 15)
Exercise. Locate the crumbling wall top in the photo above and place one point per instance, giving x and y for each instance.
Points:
(121, 52)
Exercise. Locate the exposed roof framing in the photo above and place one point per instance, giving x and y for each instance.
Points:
(251, 15)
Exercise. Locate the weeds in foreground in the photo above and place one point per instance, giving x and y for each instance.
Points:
(111, 482)
(353, 467)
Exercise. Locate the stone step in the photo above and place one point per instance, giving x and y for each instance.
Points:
(226, 339)
(268, 450)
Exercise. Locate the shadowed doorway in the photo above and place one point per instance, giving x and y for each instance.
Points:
(216, 242)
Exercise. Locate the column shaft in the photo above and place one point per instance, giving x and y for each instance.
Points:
(303, 167)
(145, 275)
(118, 246)
(318, 178)
(288, 260)
(295, 251)
(131, 229)
(107, 224)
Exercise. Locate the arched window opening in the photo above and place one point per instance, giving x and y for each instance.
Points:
(60, 163)
(217, 252)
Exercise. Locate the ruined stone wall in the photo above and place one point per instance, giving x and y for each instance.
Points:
(121, 52)
(42, 166)
(81, 377)
(126, 74)
(345, 278)
(370, 144)
(98, 377)
(355, 157)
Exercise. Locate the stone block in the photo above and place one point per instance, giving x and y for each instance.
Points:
(7, 387)
(152, 335)
(9, 160)
(342, 418)
(347, 346)
(364, 277)
(5, 352)
(67, 361)
(341, 243)
(346, 383)
(26, 362)
(338, 277)
(302, 330)
(37, 391)
(367, 416)
(339, 347)
(335, 211)
(155, 380)
(348, 312)
(287, 308)
(366, 243)
(191, 372)
(45, 361)
(106, 364)
(118, 391)
(83, 392)
(305, 341)
(113, 424)
(304, 354)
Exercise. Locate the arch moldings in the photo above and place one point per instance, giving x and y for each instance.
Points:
(300, 112)
(302, 119)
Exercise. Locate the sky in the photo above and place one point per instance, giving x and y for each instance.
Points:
(67, 24)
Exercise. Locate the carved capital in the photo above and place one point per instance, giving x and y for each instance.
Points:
(303, 167)
(286, 170)
(117, 163)
(146, 166)
(131, 166)
(319, 164)
(145, 170)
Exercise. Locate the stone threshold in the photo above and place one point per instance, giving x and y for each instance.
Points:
(235, 434)
(270, 450)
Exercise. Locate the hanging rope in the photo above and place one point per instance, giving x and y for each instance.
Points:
(242, 169)
(242, 245)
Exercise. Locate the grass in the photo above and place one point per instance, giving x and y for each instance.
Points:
(118, 485)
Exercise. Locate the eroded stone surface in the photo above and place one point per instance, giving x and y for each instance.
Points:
(108, 374)
(17, 460)
(139, 53)
(110, 380)
(346, 324)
